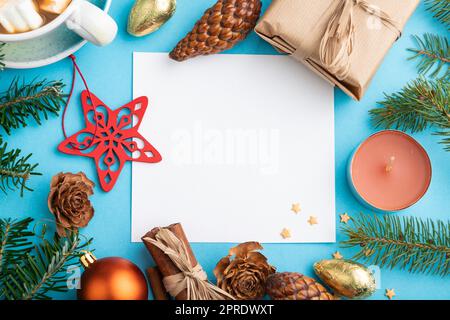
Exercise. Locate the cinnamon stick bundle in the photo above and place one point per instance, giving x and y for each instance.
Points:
(165, 265)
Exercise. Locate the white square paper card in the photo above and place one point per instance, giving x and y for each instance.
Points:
(243, 138)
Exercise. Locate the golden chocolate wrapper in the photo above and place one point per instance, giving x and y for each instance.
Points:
(147, 16)
(347, 278)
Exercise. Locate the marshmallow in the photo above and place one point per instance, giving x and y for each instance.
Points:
(19, 15)
(54, 6)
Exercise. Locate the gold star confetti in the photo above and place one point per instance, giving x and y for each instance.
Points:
(312, 220)
(337, 255)
(390, 293)
(345, 217)
(285, 233)
(296, 208)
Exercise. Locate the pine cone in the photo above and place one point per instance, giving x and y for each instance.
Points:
(295, 286)
(243, 273)
(69, 201)
(220, 28)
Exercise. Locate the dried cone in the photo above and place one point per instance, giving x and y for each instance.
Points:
(243, 273)
(68, 200)
(295, 286)
(220, 28)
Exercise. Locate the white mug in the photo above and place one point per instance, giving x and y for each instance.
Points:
(82, 17)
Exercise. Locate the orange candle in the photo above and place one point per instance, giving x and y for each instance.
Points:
(390, 171)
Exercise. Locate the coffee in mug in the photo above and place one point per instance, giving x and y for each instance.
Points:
(17, 16)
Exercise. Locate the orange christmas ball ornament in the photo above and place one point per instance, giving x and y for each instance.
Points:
(111, 278)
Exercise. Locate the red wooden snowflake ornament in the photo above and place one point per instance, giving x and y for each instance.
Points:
(115, 138)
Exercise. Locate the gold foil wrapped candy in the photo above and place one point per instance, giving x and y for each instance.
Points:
(347, 278)
(147, 16)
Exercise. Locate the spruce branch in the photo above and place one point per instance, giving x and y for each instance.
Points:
(433, 53)
(15, 169)
(36, 100)
(421, 104)
(440, 9)
(44, 269)
(410, 243)
(15, 244)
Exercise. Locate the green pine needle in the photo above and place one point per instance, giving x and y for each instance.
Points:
(441, 10)
(445, 139)
(421, 104)
(15, 169)
(433, 52)
(411, 243)
(36, 100)
(41, 268)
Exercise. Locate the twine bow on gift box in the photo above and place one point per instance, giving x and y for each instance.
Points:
(336, 46)
(193, 279)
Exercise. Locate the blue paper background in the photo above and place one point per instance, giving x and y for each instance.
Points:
(109, 72)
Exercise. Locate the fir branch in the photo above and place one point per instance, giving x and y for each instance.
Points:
(421, 104)
(441, 10)
(15, 169)
(44, 269)
(433, 52)
(411, 243)
(15, 244)
(36, 100)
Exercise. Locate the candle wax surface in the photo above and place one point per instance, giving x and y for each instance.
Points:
(404, 182)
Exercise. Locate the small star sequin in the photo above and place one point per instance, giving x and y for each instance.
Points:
(345, 217)
(337, 255)
(285, 233)
(296, 208)
(312, 220)
(390, 293)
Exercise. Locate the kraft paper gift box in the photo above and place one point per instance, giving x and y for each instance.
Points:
(344, 41)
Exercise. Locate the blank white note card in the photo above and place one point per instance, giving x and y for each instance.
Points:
(243, 137)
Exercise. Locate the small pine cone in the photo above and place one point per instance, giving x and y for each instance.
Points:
(295, 286)
(220, 28)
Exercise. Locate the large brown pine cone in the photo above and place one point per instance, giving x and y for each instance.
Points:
(220, 28)
(295, 286)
